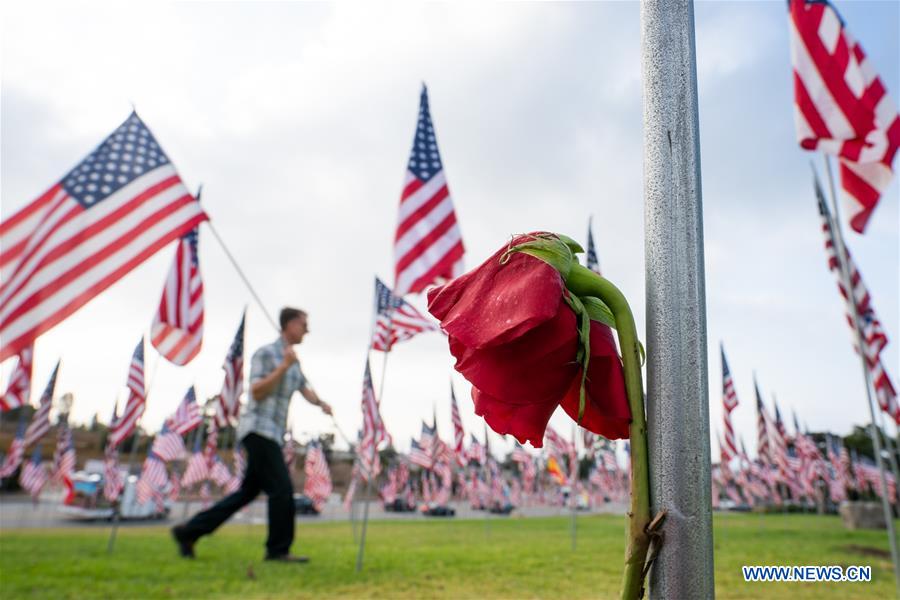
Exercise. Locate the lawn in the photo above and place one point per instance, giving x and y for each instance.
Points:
(500, 558)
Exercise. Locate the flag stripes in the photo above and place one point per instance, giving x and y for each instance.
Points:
(18, 391)
(841, 105)
(177, 330)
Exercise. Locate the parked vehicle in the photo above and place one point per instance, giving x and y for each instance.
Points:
(304, 506)
(87, 502)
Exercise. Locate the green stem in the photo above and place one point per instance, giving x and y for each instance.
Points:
(584, 282)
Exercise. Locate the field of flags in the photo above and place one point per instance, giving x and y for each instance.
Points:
(125, 202)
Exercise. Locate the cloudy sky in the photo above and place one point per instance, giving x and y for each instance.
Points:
(298, 118)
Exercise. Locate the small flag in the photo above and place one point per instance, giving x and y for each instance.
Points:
(187, 416)
(40, 421)
(177, 331)
(18, 392)
(396, 320)
(233, 386)
(134, 407)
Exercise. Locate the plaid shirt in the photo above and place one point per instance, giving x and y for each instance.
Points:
(268, 417)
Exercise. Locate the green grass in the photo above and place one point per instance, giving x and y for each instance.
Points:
(507, 558)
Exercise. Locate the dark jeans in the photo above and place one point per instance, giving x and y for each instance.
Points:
(266, 472)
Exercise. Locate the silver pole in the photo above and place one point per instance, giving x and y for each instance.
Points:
(677, 387)
(840, 251)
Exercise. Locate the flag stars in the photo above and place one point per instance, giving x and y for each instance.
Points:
(129, 152)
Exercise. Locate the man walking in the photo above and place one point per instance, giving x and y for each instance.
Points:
(275, 375)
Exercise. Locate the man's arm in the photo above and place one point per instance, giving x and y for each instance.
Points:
(264, 386)
(313, 398)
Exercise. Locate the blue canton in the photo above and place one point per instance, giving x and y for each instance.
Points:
(385, 299)
(191, 238)
(424, 160)
(129, 152)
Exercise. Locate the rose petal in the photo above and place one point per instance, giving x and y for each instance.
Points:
(538, 365)
(524, 422)
(496, 303)
(606, 408)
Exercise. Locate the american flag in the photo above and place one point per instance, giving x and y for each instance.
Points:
(458, 434)
(884, 391)
(558, 445)
(40, 421)
(476, 451)
(105, 217)
(847, 465)
(762, 428)
(591, 261)
(373, 430)
(396, 320)
(205, 495)
(419, 455)
(351, 489)
(428, 245)
(729, 402)
(779, 424)
(168, 445)
(389, 489)
(174, 488)
(64, 455)
(874, 336)
(779, 448)
(177, 331)
(427, 438)
(16, 452)
(233, 385)
(841, 105)
(589, 438)
(211, 447)
(197, 468)
(288, 450)
(443, 471)
(18, 391)
(187, 416)
(240, 467)
(219, 473)
(113, 482)
(153, 479)
(318, 479)
(134, 407)
(520, 454)
(34, 475)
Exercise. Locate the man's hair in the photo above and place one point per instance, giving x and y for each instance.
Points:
(288, 314)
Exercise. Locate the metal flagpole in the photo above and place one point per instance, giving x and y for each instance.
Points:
(677, 386)
(840, 251)
(186, 501)
(379, 398)
(242, 276)
(134, 446)
(365, 523)
(889, 446)
(573, 470)
(485, 470)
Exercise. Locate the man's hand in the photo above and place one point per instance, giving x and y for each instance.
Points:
(290, 357)
(326, 408)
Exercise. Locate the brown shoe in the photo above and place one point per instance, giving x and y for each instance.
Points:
(288, 558)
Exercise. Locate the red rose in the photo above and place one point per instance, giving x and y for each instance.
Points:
(515, 338)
